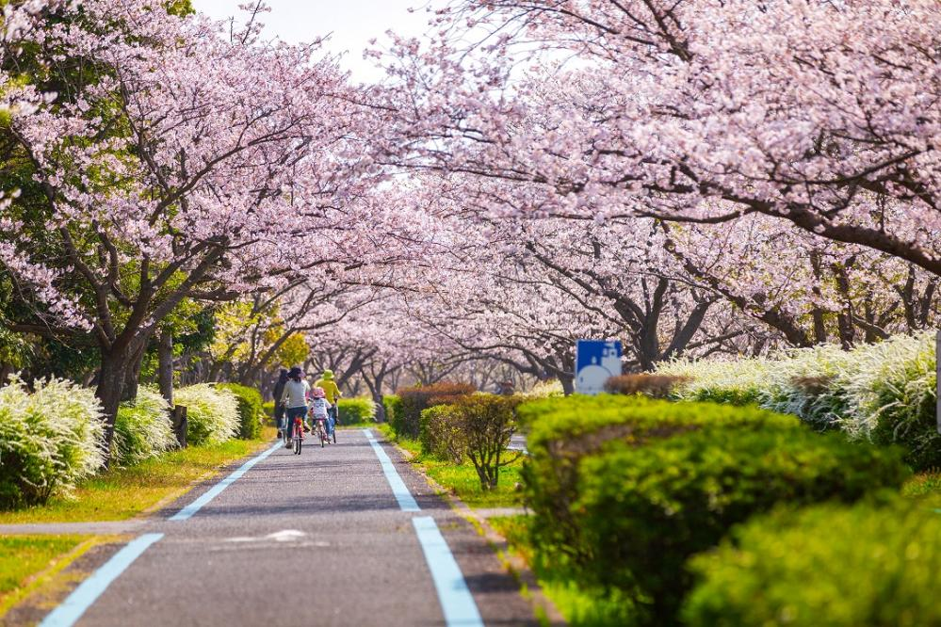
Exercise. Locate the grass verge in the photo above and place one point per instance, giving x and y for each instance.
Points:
(461, 480)
(579, 607)
(122, 493)
(26, 562)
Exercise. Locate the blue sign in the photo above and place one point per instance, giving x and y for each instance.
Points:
(595, 361)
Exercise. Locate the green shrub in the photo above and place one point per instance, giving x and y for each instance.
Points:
(864, 566)
(564, 430)
(251, 409)
(213, 414)
(268, 408)
(392, 405)
(440, 436)
(49, 440)
(643, 511)
(354, 411)
(142, 429)
(486, 423)
(416, 399)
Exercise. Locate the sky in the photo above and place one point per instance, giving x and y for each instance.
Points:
(352, 24)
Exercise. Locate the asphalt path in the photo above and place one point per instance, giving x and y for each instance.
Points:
(315, 539)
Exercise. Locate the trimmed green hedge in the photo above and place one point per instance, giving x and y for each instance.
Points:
(868, 565)
(415, 400)
(354, 411)
(251, 409)
(392, 405)
(625, 489)
(643, 512)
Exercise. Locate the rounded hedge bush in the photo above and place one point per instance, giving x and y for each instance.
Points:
(212, 413)
(870, 565)
(414, 400)
(49, 440)
(250, 407)
(392, 406)
(142, 428)
(354, 411)
(643, 511)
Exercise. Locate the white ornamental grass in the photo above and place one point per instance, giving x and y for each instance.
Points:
(143, 428)
(737, 381)
(893, 377)
(49, 440)
(546, 389)
(213, 413)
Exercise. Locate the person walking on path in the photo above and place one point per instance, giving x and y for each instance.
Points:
(278, 403)
(331, 393)
(294, 398)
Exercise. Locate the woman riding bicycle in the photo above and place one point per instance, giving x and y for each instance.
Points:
(295, 400)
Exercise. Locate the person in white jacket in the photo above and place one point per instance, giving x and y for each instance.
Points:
(294, 398)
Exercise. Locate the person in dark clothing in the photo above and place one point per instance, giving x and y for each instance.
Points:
(278, 404)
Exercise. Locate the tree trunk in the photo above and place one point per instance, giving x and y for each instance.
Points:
(110, 388)
(165, 366)
(568, 384)
(132, 370)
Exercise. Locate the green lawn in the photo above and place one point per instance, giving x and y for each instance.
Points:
(22, 557)
(125, 492)
(461, 480)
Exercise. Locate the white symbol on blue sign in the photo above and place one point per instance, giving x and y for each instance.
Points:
(595, 361)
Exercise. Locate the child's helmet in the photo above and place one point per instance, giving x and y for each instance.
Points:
(318, 393)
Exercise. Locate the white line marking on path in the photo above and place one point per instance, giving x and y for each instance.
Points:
(456, 600)
(88, 592)
(402, 495)
(213, 492)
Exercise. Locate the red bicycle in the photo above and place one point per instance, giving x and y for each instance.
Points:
(297, 435)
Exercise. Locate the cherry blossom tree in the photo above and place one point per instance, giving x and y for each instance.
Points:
(820, 114)
(174, 164)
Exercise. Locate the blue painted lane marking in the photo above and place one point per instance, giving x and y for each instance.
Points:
(213, 492)
(456, 600)
(82, 597)
(402, 495)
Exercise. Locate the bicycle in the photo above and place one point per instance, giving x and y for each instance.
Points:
(297, 435)
(321, 429)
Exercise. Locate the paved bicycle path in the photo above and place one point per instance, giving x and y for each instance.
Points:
(315, 539)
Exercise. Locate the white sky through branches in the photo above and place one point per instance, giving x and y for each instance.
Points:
(352, 24)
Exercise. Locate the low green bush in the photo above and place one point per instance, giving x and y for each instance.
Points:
(268, 408)
(869, 565)
(49, 440)
(392, 406)
(440, 435)
(564, 430)
(354, 411)
(416, 399)
(250, 407)
(486, 423)
(142, 429)
(212, 413)
(641, 512)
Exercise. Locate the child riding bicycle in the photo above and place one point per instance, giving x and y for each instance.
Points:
(319, 409)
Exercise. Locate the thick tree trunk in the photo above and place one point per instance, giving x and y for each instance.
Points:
(165, 366)
(568, 383)
(110, 390)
